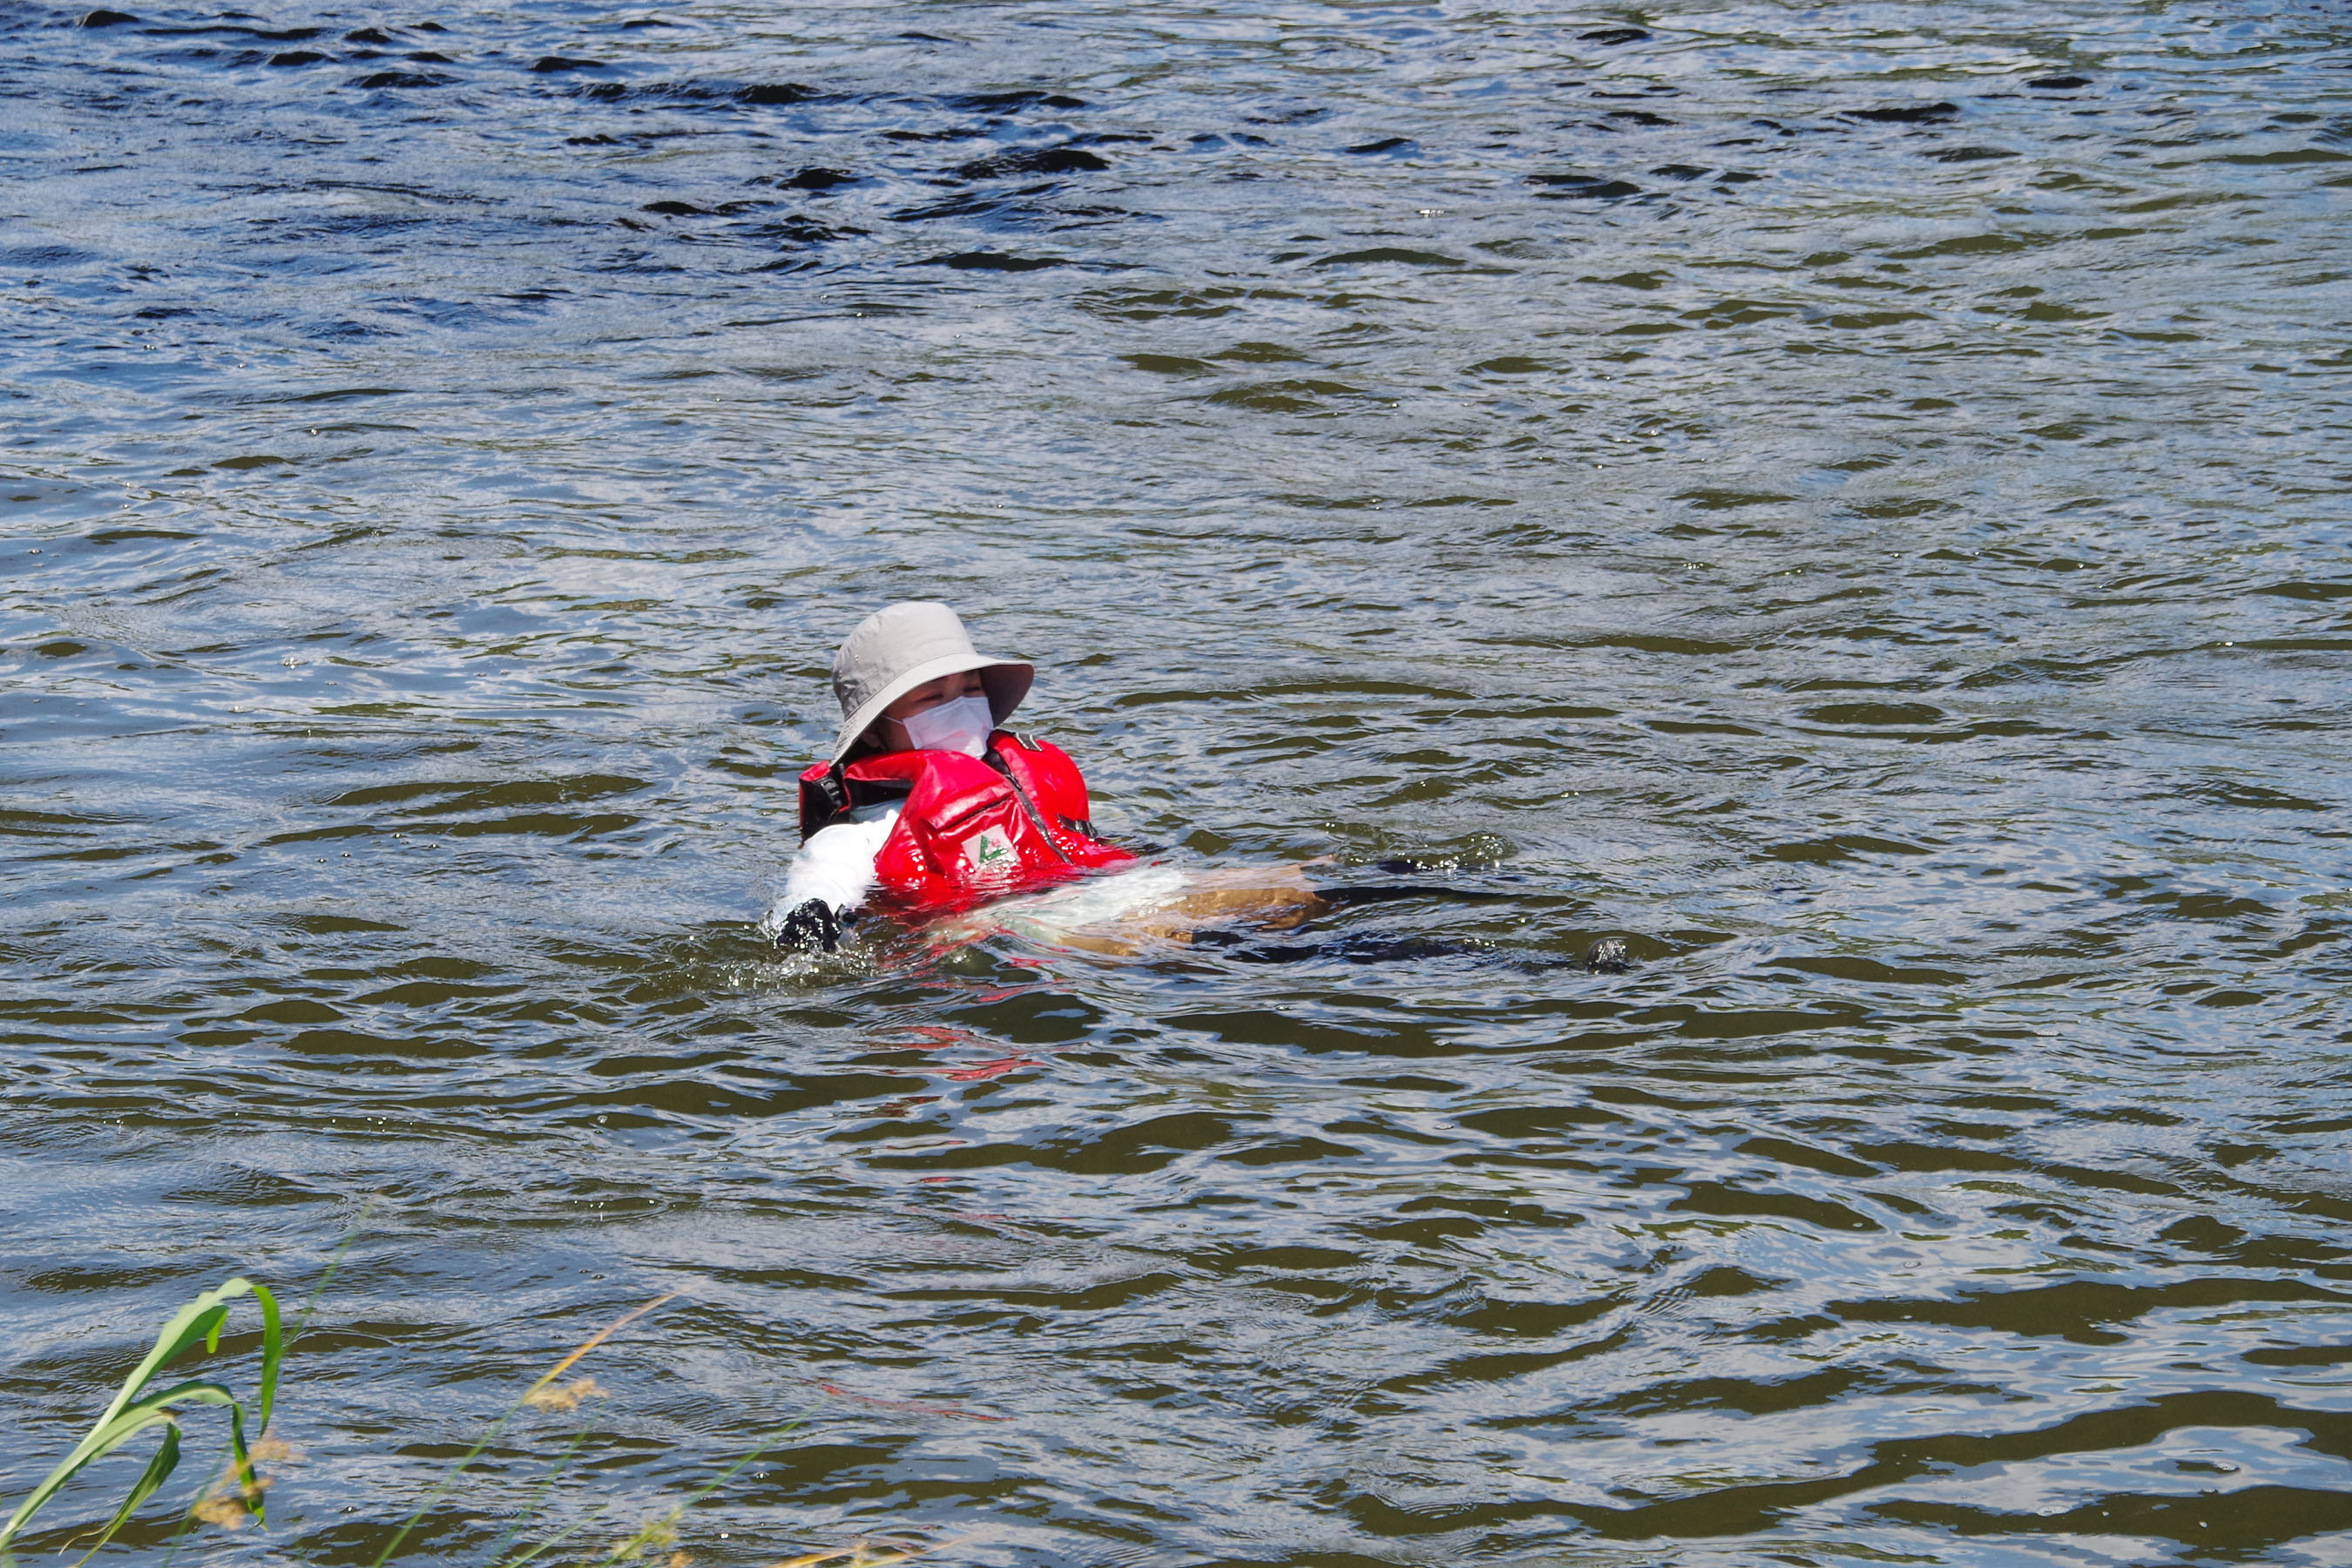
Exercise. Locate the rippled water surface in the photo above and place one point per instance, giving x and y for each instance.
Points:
(1852, 499)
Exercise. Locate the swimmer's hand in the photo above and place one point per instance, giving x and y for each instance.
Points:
(817, 926)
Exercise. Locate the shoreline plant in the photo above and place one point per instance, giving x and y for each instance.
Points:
(134, 1409)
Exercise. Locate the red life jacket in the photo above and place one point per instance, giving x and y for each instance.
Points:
(972, 829)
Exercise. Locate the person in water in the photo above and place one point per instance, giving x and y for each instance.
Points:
(930, 806)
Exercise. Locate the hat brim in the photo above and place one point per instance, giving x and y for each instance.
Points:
(1006, 682)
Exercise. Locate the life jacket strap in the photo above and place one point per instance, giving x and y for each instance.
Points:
(834, 790)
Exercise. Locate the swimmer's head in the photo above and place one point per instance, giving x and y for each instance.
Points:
(906, 659)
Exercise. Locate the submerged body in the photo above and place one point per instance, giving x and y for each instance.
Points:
(933, 834)
(1149, 904)
(929, 808)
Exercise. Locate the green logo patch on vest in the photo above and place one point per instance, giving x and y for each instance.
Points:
(990, 851)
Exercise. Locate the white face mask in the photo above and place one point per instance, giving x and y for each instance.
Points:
(962, 725)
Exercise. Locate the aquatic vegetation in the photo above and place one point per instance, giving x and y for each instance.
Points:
(134, 1409)
(231, 1506)
(538, 1393)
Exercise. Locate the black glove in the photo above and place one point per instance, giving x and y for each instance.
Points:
(814, 926)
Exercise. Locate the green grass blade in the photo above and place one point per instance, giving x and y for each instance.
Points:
(188, 1515)
(273, 1352)
(200, 1391)
(101, 1441)
(249, 1482)
(105, 1438)
(195, 1321)
(276, 1342)
(199, 1319)
(159, 1470)
(132, 1409)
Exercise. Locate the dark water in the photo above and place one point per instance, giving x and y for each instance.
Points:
(1853, 499)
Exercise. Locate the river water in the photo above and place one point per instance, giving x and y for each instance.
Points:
(1852, 499)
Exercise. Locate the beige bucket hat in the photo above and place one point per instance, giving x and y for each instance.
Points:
(894, 650)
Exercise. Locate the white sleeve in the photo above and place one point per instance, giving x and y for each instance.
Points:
(835, 865)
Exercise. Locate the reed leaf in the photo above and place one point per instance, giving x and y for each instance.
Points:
(133, 1409)
(165, 1460)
